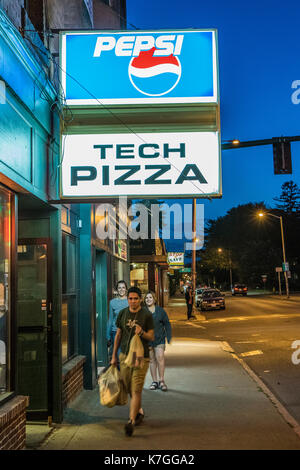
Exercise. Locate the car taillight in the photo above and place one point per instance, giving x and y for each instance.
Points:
(245, 288)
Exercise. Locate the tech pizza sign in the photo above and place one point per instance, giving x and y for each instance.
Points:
(143, 165)
(131, 67)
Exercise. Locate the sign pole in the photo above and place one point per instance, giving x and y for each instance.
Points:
(194, 246)
(284, 259)
(279, 283)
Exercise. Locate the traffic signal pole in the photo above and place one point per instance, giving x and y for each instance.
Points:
(281, 151)
(253, 143)
(286, 168)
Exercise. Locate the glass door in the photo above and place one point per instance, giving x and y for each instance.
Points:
(34, 325)
(101, 308)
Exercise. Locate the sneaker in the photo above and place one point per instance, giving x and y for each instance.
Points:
(129, 427)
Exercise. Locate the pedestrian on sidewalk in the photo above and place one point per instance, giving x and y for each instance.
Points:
(162, 331)
(132, 320)
(189, 298)
(115, 306)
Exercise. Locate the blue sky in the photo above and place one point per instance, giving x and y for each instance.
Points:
(259, 59)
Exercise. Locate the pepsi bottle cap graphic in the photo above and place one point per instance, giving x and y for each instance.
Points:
(153, 75)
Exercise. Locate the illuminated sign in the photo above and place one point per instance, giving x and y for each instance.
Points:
(176, 259)
(131, 67)
(184, 164)
(121, 249)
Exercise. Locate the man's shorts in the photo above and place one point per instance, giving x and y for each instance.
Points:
(133, 377)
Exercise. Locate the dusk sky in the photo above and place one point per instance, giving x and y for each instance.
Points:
(259, 60)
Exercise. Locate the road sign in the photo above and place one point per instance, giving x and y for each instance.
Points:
(175, 259)
(278, 269)
(285, 267)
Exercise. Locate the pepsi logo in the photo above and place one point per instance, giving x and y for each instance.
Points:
(153, 75)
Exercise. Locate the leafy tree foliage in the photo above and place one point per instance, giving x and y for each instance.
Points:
(289, 200)
(251, 246)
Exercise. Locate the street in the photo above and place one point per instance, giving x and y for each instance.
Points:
(261, 330)
(213, 401)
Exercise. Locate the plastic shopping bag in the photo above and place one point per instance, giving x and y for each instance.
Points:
(123, 394)
(135, 356)
(111, 388)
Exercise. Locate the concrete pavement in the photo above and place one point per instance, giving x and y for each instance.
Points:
(212, 403)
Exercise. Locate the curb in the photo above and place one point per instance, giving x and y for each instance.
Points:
(278, 405)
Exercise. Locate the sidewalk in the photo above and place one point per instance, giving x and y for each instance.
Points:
(212, 403)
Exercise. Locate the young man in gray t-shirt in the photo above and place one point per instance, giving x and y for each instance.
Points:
(133, 320)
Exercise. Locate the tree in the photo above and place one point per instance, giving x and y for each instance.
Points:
(254, 248)
(254, 245)
(289, 200)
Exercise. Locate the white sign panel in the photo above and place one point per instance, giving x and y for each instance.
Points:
(175, 259)
(181, 164)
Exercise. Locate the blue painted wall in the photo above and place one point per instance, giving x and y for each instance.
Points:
(29, 122)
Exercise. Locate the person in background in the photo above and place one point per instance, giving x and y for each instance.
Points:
(189, 298)
(162, 331)
(115, 306)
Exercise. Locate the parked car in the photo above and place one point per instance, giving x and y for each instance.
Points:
(199, 292)
(212, 299)
(239, 289)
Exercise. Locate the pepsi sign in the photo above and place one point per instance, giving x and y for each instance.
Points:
(132, 67)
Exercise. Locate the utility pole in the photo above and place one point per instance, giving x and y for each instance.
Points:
(230, 269)
(284, 259)
(194, 274)
(261, 214)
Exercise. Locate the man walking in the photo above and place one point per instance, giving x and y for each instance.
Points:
(132, 320)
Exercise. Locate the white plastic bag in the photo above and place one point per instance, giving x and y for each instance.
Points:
(111, 388)
(135, 356)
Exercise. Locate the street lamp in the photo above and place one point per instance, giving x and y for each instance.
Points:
(262, 214)
(230, 267)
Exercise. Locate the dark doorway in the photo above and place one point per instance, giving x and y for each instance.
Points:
(34, 320)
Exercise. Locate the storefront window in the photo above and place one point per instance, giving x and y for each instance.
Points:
(5, 269)
(69, 297)
(139, 276)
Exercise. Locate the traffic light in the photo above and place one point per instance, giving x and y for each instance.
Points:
(282, 157)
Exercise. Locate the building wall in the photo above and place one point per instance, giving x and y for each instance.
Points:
(106, 17)
(28, 110)
(13, 10)
(30, 130)
(29, 135)
(13, 424)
